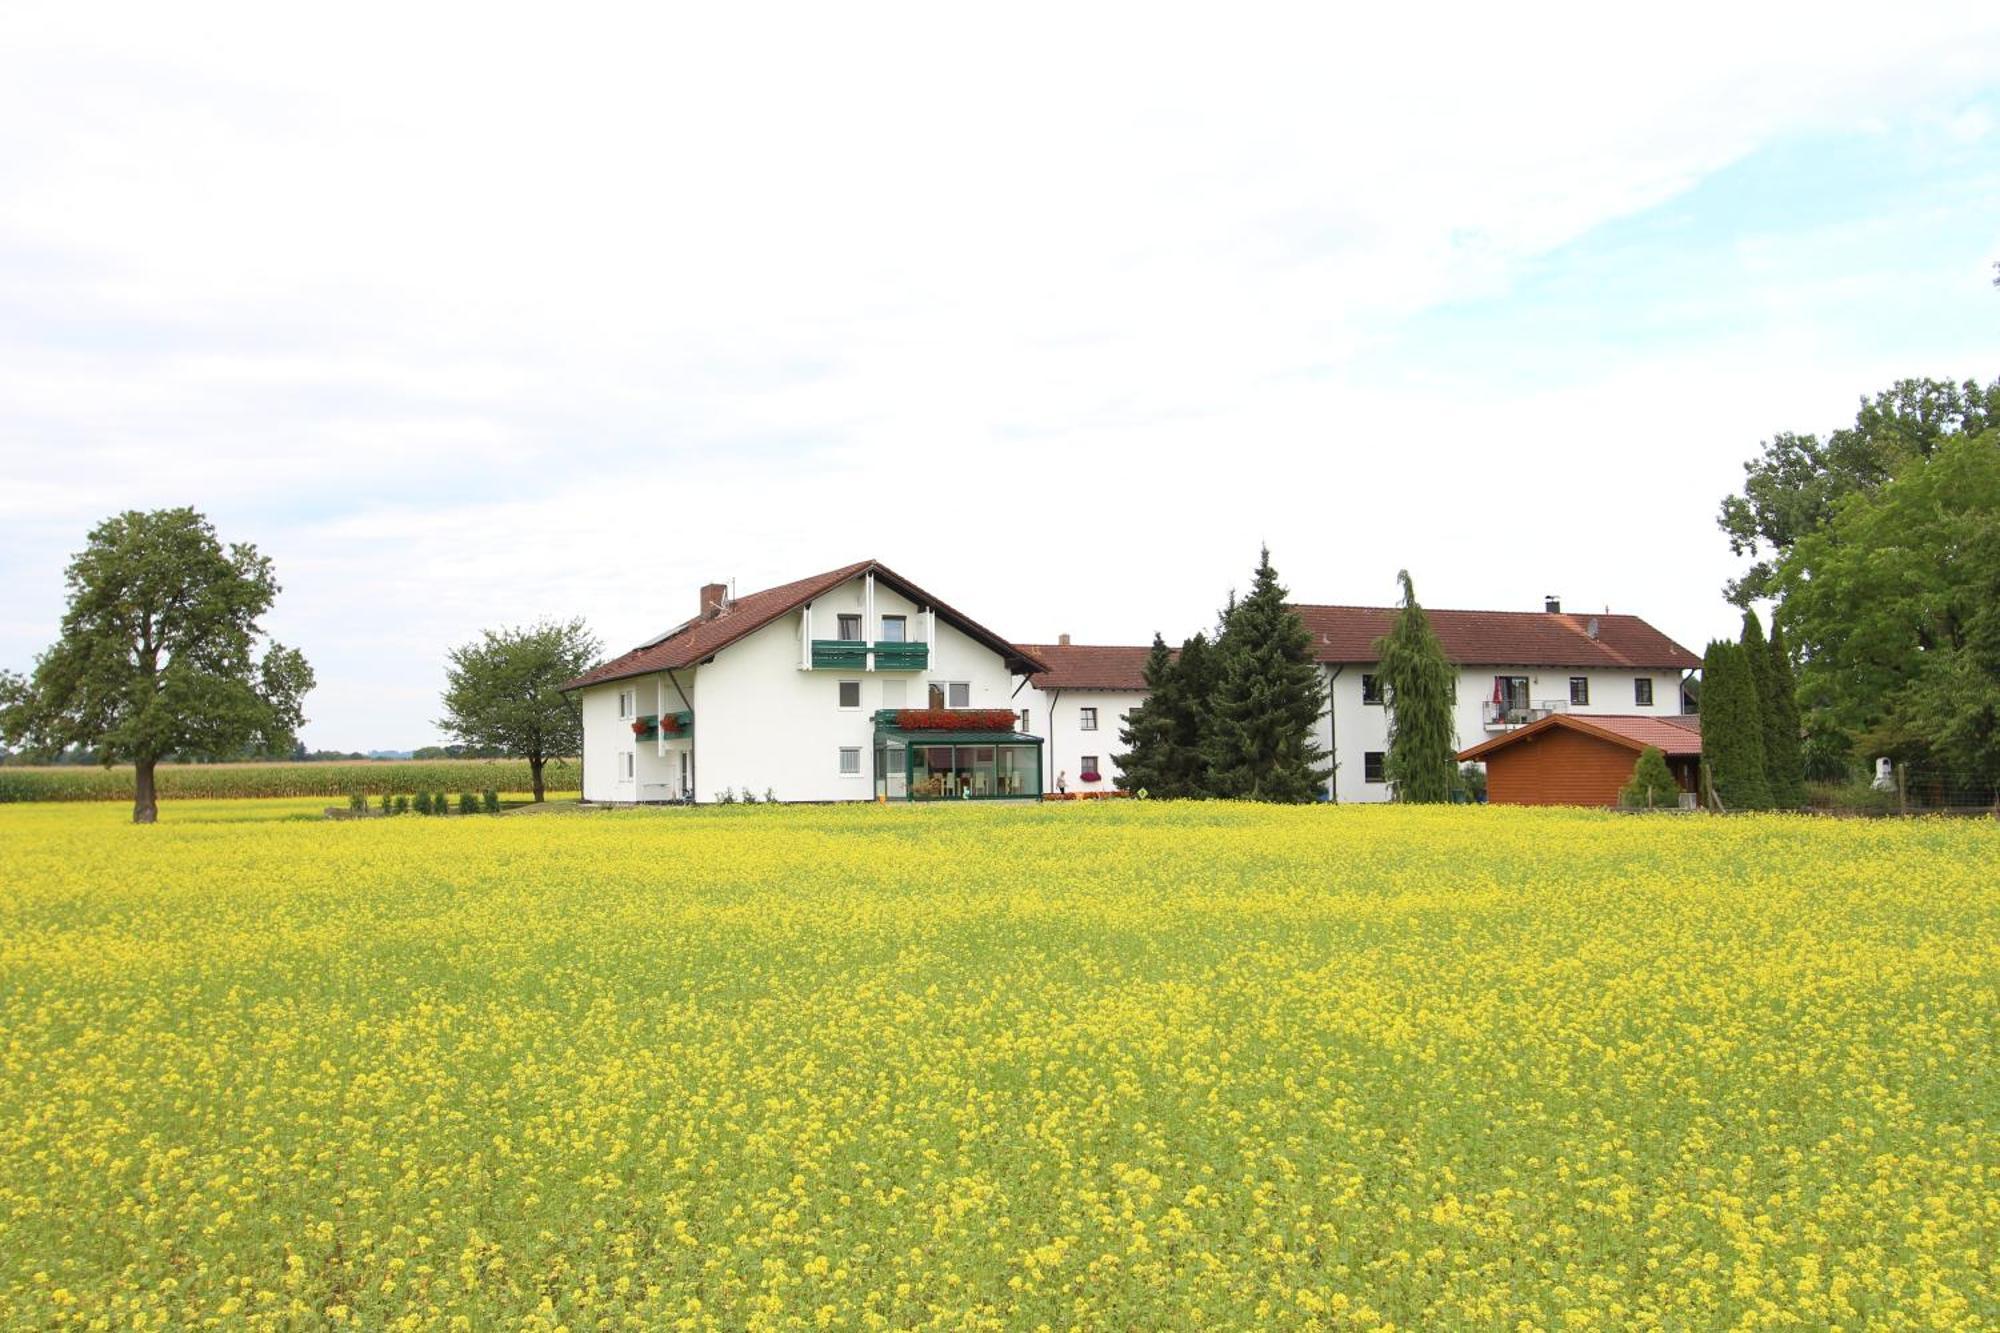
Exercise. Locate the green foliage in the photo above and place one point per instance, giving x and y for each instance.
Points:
(1153, 761)
(422, 802)
(157, 654)
(490, 801)
(1799, 483)
(727, 796)
(504, 692)
(1894, 605)
(468, 804)
(1652, 786)
(1472, 783)
(388, 804)
(357, 802)
(1268, 699)
(1732, 728)
(224, 781)
(1778, 696)
(1422, 691)
(402, 805)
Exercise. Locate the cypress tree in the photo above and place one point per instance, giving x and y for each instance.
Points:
(1732, 728)
(1422, 690)
(1652, 786)
(1784, 747)
(1268, 699)
(1150, 733)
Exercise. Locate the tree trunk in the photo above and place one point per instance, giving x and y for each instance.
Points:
(535, 772)
(145, 805)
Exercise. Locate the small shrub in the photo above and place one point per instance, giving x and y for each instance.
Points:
(749, 797)
(1652, 786)
(402, 805)
(1859, 797)
(357, 802)
(440, 803)
(423, 802)
(770, 796)
(468, 804)
(388, 803)
(491, 800)
(727, 796)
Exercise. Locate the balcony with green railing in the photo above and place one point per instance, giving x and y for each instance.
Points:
(852, 655)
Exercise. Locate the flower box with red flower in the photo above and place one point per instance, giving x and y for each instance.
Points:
(957, 719)
(1091, 775)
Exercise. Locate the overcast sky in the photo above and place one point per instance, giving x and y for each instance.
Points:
(472, 318)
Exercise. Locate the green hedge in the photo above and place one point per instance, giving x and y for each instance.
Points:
(218, 781)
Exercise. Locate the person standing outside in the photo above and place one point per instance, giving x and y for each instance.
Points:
(1062, 783)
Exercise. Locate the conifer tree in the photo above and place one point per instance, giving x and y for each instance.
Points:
(1784, 748)
(1422, 691)
(1732, 728)
(1193, 713)
(1150, 733)
(1268, 699)
(1652, 786)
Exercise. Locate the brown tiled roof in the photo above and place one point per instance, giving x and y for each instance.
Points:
(1677, 734)
(698, 640)
(1501, 638)
(1082, 666)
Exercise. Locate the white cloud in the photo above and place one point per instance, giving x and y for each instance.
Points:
(428, 302)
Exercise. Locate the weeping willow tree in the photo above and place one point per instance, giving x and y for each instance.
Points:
(1422, 690)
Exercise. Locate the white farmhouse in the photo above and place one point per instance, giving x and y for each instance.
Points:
(1514, 668)
(1079, 704)
(847, 686)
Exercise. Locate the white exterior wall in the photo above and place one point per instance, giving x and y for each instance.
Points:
(763, 724)
(1359, 728)
(1057, 717)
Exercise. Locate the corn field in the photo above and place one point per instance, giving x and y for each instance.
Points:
(230, 781)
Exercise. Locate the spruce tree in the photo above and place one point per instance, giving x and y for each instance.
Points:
(1269, 697)
(1422, 691)
(1652, 786)
(1732, 728)
(1784, 749)
(1150, 734)
(1193, 714)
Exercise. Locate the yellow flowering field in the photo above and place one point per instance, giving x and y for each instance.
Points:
(1135, 1066)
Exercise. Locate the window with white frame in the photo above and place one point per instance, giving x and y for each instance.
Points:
(1373, 764)
(1087, 768)
(625, 765)
(951, 694)
(1642, 691)
(628, 704)
(850, 694)
(848, 627)
(1371, 688)
(850, 761)
(1086, 719)
(1579, 690)
(1025, 728)
(895, 629)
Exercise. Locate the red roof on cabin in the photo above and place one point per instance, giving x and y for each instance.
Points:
(1343, 634)
(1082, 666)
(1677, 735)
(697, 640)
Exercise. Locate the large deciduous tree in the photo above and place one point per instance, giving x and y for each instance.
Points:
(1421, 687)
(1794, 488)
(1894, 608)
(505, 692)
(157, 654)
(1268, 699)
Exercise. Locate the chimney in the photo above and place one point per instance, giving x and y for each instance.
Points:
(1590, 627)
(1062, 640)
(1552, 604)
(713, 598)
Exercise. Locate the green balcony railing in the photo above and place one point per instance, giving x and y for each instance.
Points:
(839, 655)
(679, 725)
(852, 655)
(902, 656)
